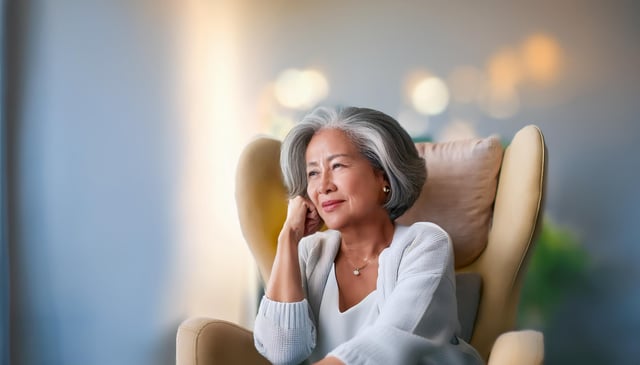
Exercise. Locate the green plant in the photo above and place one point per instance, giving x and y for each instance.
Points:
(558, 265)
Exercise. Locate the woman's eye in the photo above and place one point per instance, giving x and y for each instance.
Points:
(336, 165)
(312, 173)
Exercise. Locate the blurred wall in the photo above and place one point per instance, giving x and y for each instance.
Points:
(121, 181)
(126, 118)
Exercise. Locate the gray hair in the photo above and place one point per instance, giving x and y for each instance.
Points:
(380, 139)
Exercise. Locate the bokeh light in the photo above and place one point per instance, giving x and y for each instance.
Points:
(504, 70)
(280, 124)
(301, 89)
(430, 96)
(541, 58)
(273, 119)
(499, 95)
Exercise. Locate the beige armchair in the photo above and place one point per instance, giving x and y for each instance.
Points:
(489, 201)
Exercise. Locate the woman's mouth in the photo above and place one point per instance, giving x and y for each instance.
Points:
(331, 205)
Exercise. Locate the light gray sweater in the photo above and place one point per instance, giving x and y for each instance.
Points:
(416, 301)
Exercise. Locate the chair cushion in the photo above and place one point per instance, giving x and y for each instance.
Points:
(458, 195)
(468, 292)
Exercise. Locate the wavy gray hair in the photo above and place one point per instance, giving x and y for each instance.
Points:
(380, 139)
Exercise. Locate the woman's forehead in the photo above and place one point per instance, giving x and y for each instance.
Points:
(330, 142)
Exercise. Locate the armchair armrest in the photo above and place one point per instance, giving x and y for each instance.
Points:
(204, 341)
(518, 347)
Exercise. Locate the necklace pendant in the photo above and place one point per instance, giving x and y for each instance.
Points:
(356, 272)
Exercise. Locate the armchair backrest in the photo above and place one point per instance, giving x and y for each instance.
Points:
(262, 205)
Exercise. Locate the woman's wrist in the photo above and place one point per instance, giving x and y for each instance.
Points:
(289, 237)
(285, 283)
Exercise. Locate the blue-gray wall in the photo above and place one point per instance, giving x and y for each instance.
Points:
(95, 153)
(4, 245)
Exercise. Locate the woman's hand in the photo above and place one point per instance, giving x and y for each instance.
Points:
(302, 218)
(329, 360)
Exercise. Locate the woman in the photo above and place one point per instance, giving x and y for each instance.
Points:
(366, 291)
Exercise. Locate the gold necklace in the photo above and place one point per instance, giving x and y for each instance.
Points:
(356, 269)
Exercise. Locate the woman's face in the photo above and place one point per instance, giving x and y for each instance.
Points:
(341, 183)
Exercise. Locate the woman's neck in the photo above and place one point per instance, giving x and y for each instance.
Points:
(367, 240)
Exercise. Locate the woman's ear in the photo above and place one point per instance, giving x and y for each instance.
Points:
(384, 185)
(383, 177)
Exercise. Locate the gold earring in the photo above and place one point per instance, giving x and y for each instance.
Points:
(386, 189)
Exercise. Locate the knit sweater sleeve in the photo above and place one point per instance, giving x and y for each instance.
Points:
(418, 312)
(284, 332)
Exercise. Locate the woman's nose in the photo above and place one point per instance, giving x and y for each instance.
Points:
(326, 185)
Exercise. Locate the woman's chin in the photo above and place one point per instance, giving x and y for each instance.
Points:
(332, 224)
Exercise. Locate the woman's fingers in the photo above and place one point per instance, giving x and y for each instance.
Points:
(302, 216)
(296, 211)
(313, 222)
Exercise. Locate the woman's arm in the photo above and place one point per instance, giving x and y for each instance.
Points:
(284, 332)
(285, 282)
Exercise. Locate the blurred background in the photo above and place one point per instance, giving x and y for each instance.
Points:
(122, 122)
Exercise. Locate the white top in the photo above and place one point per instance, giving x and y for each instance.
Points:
(335, 327)
(417, 320)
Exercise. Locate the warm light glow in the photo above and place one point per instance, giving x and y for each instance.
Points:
(430, 96)
(538, 59)
(465, 84)
(280, 124)
(301, 89)
(273, 119)
(504, 70)
(541, 58)
(216, 269)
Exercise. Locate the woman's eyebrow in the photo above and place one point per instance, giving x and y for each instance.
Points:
(332, 157)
